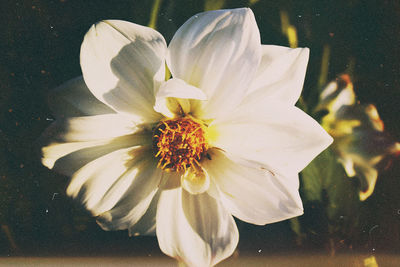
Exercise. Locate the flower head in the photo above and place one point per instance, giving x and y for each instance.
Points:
(179, 157)
(360, 140)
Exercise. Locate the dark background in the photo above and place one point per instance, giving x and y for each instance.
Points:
(39, 50)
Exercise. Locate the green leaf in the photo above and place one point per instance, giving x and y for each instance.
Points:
(331, 203)
(325, 181)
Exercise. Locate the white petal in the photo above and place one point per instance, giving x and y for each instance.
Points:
(121, 62)
(90, 137)
(282, 137)
(90, 128)
(54, 151)
(132, 206)
(173, 98)
(102, 182)
(218, 52)
(67, 158)
(73, 99)
(252, 193)
(195, 228)
(280, 75)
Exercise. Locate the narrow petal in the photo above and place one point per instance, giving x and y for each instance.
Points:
(132, 205)
(252, 193)
(218, 52)
(173, 98)
(54, 151)
(67, 158)
(91, 128)
(74, 99)
(195, 228)
(147, 224)
(90, 137)
(280, 74)
(121, 63)
(282, 137)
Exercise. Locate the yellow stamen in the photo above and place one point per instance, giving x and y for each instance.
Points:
(179, 143)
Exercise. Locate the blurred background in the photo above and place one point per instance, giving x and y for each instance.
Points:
(39, 50)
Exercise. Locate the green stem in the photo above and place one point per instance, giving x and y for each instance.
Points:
(154, 14)
(323, 77)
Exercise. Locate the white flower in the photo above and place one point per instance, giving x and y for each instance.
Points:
(360, 140)
(222, 137)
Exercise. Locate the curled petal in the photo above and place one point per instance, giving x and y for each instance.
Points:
(218, 52)
(195, 181)
(361, 150)
(174, 98)
(360, 139)
(356, 165)
(122, 63)
(195, 228)
(337, 94)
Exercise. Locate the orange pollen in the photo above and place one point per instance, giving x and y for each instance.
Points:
(179, 144)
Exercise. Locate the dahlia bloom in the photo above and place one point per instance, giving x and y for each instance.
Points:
(360, 140)
(180, 156)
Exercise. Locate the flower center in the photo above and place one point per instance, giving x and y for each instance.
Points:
(179, 144)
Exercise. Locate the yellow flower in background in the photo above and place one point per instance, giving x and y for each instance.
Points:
(178, 158)
(358, 131)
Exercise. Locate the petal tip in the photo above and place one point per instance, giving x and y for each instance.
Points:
(306, 52)
(48, 162)
(328, 139)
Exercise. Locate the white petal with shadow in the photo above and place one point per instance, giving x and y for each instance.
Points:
(86, 138)
(132, 205)
(122, 63)
(74, 99)
(195, 228)
(101, 183)
(91, 128)
(170, 180)
(147, 224)
(69, 157)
